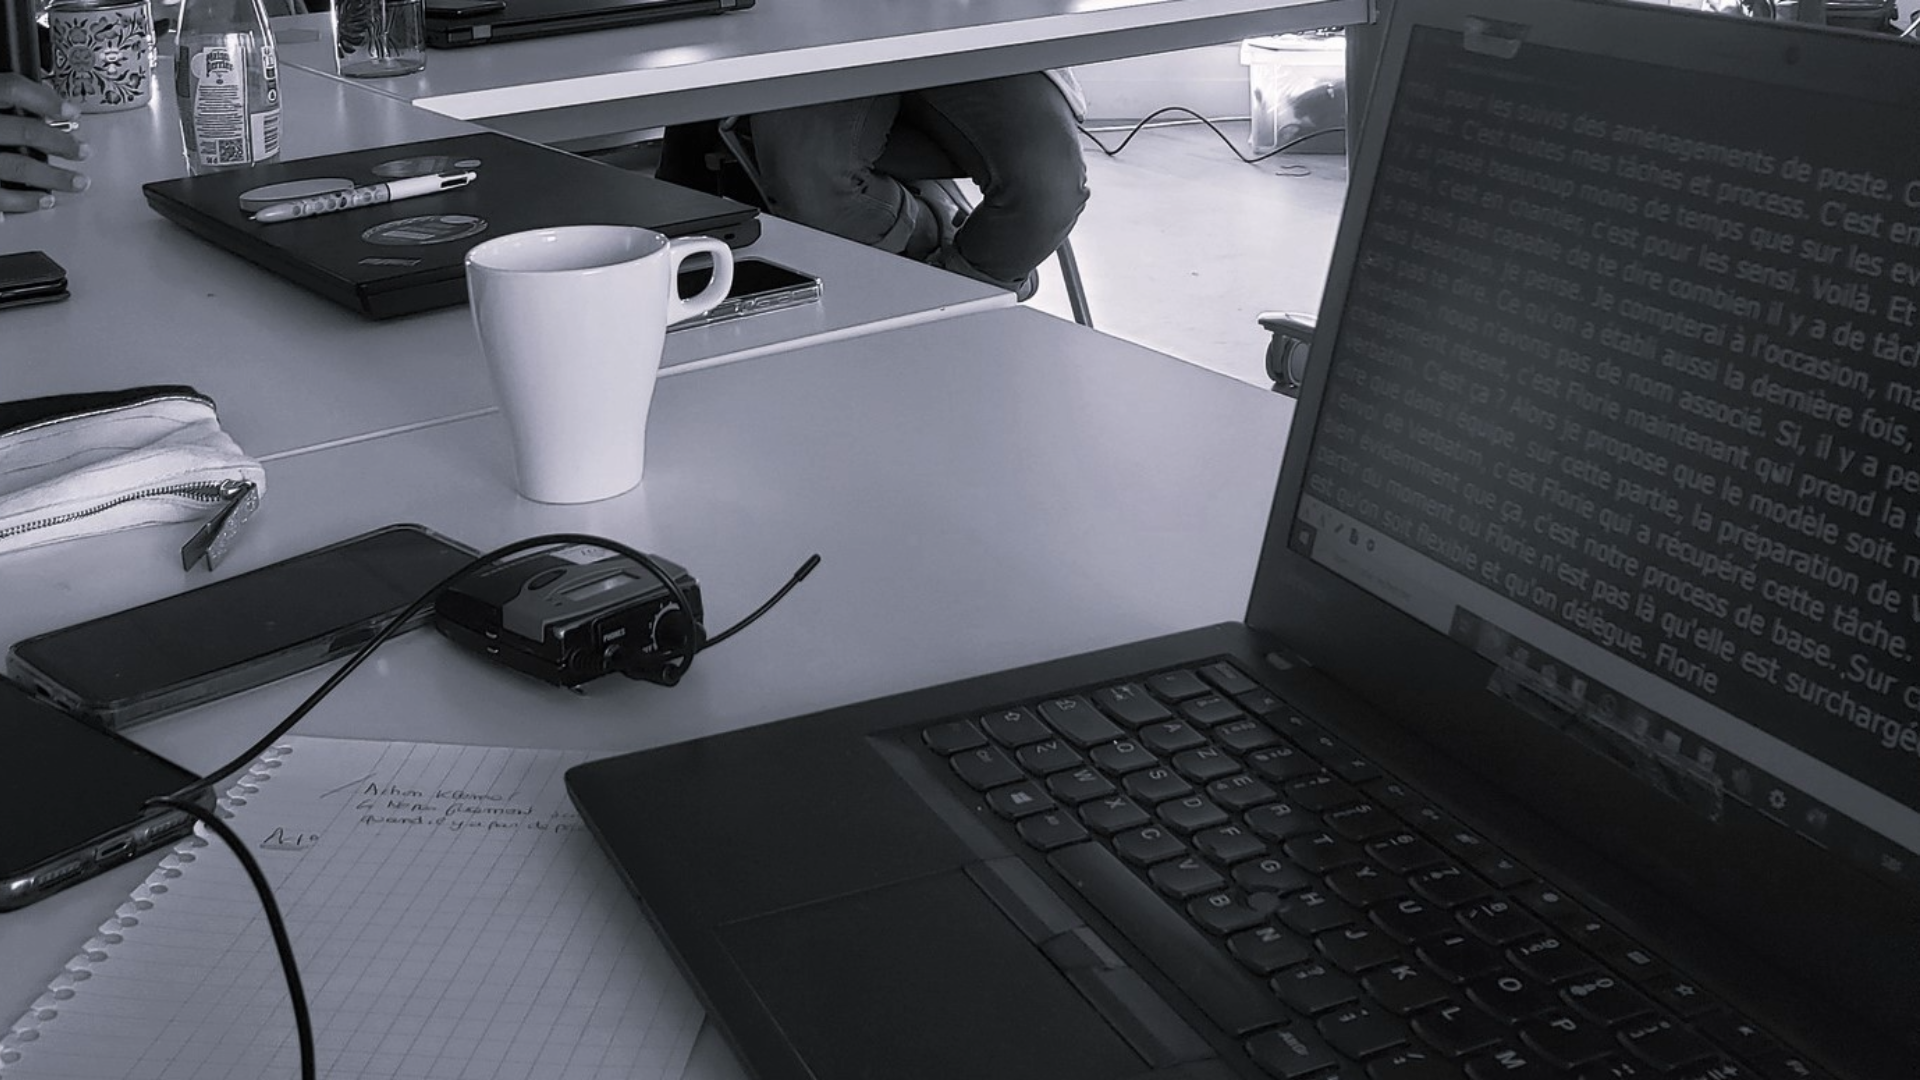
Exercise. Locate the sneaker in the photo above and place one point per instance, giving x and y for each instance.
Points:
(949, 206)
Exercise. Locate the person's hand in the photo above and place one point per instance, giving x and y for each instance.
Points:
(37, 180)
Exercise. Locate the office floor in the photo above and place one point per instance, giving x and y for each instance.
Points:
(1182, 245)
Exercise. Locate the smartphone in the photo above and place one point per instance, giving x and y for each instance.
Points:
(236, 633)
(74, 799)
(31, 277)
(759, 286)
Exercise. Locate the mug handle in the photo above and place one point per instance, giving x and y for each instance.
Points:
(680, 307)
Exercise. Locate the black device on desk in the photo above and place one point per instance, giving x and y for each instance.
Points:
(31, 277)
(402, 257)
(73, 800)
(459, 23)
(759, 287)
(1554, 744)
(235, 633)
(568, 615)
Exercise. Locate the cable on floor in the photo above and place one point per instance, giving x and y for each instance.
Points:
(1290, 170)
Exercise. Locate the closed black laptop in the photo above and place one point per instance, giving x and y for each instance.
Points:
(401, 257)
(453, 24)
(1572, 729)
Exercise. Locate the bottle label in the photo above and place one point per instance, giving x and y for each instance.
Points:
(233, 123)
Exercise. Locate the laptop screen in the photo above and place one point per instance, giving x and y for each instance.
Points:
(1623, 397)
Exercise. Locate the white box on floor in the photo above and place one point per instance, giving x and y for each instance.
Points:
(1298, 84)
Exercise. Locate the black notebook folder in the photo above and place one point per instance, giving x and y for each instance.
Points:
(402, 257)
(452, 24)
(1571, 729)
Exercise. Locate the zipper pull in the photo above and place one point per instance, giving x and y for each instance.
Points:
(214, 539)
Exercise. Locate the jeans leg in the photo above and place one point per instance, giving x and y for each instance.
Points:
(817, 164)
(1016, 138)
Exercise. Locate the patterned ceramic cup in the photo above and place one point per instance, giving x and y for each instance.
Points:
(102, 53)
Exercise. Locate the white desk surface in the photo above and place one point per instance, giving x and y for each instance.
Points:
(790, 52)
(152, 303)
(993, 489)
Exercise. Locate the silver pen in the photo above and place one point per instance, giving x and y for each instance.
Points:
(371, 195)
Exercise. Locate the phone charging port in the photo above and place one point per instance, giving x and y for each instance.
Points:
(113, 850)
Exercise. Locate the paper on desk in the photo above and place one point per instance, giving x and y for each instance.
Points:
(451, 916)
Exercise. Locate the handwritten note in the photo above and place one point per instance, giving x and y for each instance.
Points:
(450, 913)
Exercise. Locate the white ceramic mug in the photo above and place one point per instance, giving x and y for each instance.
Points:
(572, 320)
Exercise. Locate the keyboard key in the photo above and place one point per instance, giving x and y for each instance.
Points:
(1241, 792)
(1662, 1043)
(1449, 885)
(1512, 998)
(1156, 785)
(1228, 679)
(1277, 876)
(1080, 785)
(1361, 1031)
(1498, 921)
(1315, 988)
(1411, 919)
(1311, 912)
(1244, 736)
(1606, 998)
(1190, 814)
(1361, 822)
(1079, 721)
(1047, 756)
(1568, 1041)
(1223, 913)
(1458, 958)
(1366, 886)
(1551, 959)
(1131, 705)
(1290, 1054)
(1112, 814)
(952, 737)
(1403, 851)
(1018, 800)
(1051, 829)
(1281, 821)
(1185, 878)
(1014, 727)
(1508, 1062)
(1204, 764)
(1228, 844)
(1122, 756)
(1322, 791)
(1266, 949)
(1735, 1033)
(1177, 685)
(1212, 980)
(1282, 762)
(1680, 994)
(1457, 1029)
(1149, 845)
(1358, 947)
(1210, 709)
(1617, 1068)
(1320, 852)
(1171, 736)
(986, 768)
(1404, 988)
(1718, 1068)
(1411, 1063)
(1261, 702)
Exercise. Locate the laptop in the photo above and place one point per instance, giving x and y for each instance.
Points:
(402, 257)
(1571, 728)
(452, 24)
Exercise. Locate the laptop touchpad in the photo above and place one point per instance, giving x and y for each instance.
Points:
(891, 958)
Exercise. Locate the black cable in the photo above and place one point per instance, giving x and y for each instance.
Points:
(799, 576)
(302, 1018)
(1211, 126)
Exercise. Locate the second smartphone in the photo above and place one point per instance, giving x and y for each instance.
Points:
(237, 633)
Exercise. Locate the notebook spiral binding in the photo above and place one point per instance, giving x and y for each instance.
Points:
(98, 950)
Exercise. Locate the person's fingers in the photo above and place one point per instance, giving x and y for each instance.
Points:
(20, 92)
(40, 178)
(25, 132)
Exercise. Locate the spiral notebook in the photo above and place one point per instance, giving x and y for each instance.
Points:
(450, 915)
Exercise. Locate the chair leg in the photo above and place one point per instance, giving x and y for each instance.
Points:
(1076, 289)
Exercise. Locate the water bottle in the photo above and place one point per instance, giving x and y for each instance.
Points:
(227, 84)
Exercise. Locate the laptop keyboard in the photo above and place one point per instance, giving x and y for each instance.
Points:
(1315, 907)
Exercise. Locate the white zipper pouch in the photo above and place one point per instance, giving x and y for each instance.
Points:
(78, 465)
